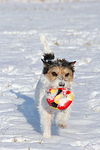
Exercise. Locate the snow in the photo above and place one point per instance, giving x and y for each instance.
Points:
(73, 32)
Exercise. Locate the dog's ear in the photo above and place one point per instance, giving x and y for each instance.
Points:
(47, 62)
(72, 63)
(44, 62)
(48, 59)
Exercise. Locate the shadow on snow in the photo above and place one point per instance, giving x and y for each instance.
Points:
(28, 109)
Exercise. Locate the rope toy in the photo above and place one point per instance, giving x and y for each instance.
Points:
(60, 98)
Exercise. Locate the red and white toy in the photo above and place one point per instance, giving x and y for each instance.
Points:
(60, 98)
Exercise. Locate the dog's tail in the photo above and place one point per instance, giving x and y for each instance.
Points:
(47, 50)
(48, 56)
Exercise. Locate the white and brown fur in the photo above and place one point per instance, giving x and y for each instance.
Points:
(55, 74)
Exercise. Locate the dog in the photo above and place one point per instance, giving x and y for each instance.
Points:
(56, 73)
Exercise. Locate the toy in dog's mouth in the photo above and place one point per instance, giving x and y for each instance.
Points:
(60, 98)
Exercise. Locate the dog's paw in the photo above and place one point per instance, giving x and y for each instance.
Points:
(46, 135)
(63, 126)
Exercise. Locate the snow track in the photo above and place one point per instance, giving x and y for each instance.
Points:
(73, 32)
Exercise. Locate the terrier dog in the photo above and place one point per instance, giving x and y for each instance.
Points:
(56, 74)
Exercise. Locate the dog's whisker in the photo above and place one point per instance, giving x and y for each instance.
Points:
(76, 82)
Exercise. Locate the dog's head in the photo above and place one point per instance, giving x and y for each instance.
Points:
(59, 72)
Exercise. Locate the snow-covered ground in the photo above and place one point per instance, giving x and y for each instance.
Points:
(73, 32)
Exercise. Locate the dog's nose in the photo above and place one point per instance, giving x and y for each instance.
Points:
(61, 84)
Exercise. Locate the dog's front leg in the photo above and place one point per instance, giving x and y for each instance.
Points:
(45, 118)
(62, 118)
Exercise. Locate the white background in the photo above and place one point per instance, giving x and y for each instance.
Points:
(73, 32)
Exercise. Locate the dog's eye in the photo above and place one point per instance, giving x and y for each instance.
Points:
(54, 74)
(67, 74)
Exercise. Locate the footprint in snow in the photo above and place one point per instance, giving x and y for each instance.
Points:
(84, 61)
(9, 70)
(94, 102)
(97, 69)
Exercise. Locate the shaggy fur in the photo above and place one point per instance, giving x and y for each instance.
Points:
(55, 74)
(59, 62)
